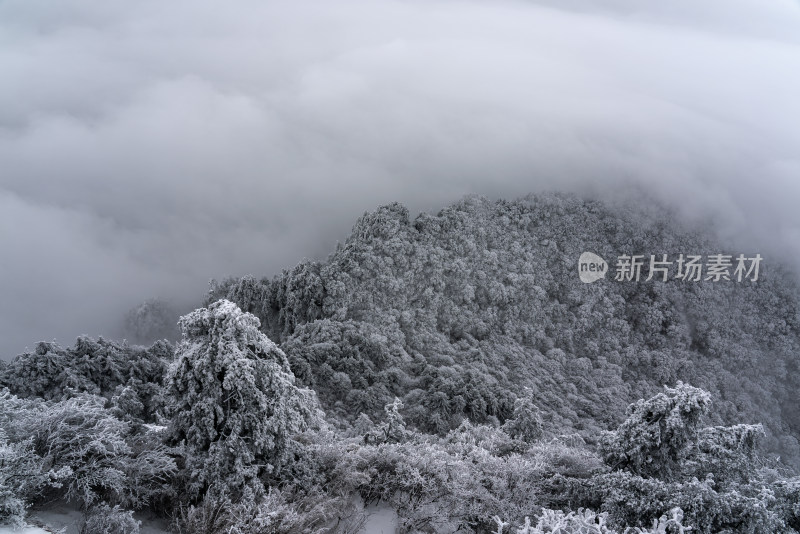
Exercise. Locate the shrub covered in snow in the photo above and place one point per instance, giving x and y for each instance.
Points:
(104, 519)
(18, 466)
(79, 450)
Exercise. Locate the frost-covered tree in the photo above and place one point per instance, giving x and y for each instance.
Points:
(350, 363)
(393, 429)
(99, 367)
(235, 406)
(526, 423)
(19, 468)
(662, 458)
(654, 439)
(395, 425)
(728, 452)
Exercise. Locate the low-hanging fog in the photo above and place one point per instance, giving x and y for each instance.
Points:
(148, 146)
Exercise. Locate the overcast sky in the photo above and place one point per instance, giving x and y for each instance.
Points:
(148, 146)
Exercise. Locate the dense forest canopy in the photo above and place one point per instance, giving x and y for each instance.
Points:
(457, 312)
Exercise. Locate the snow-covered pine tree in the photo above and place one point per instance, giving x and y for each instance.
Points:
(526, 424)
(234, 402)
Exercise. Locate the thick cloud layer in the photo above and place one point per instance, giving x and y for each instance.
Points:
(146, 147)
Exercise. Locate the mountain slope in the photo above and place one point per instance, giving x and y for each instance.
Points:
(457, 313)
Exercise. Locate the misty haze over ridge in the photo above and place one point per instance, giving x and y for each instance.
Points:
(147, 148)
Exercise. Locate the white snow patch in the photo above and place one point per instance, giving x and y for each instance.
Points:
(63, 516)
(381, 519)
(22, 530)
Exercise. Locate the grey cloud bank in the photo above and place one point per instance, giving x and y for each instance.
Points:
(146, 147)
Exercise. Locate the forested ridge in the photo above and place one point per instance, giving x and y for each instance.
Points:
(459, 312)
(452, 367)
